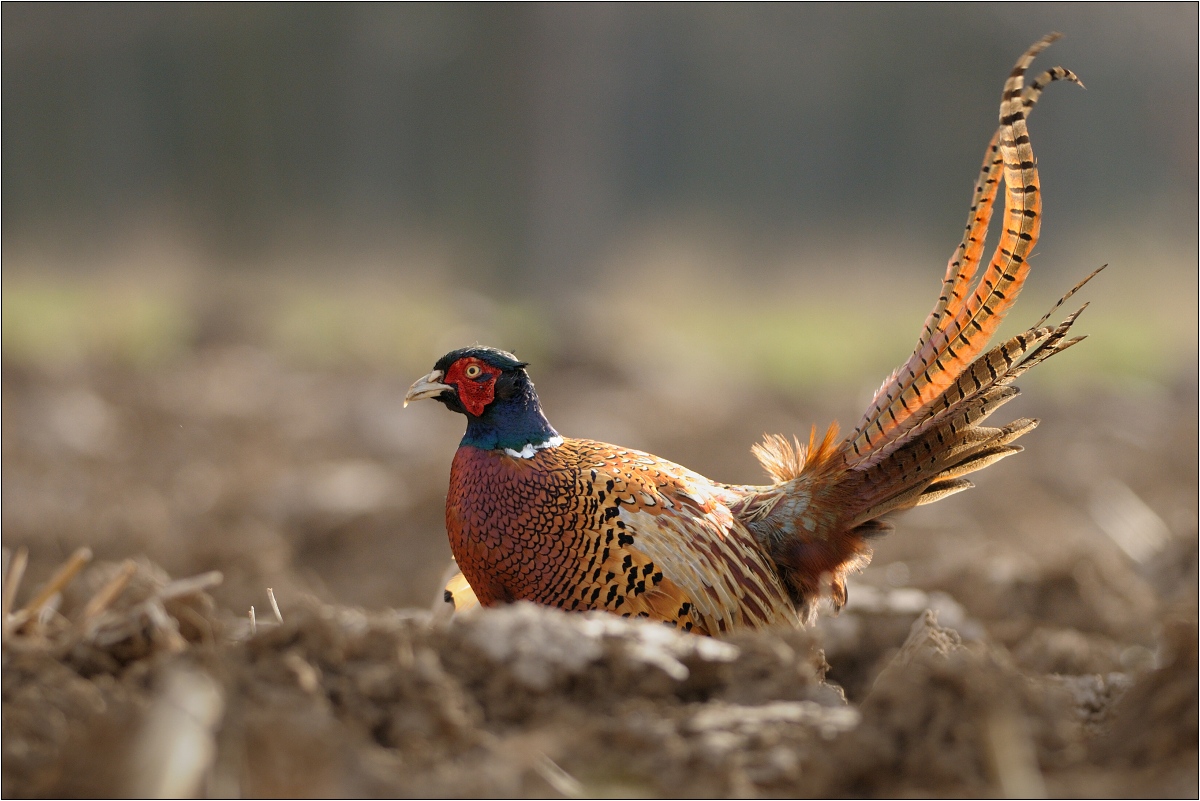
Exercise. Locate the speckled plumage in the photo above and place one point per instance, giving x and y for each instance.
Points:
(591, 526)
(582, 525)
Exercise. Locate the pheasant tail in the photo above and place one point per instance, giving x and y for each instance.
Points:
(965, 315)
(923, 432)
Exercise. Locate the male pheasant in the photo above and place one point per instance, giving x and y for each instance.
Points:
(581, 525)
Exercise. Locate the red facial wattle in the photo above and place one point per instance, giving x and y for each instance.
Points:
(475, 389)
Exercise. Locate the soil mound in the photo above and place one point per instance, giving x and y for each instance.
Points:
(134, 684)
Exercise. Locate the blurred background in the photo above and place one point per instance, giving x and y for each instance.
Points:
(233, 235)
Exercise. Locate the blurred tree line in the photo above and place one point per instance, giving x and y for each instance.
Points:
(533, 132)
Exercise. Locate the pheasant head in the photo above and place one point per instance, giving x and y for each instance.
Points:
(491, 388)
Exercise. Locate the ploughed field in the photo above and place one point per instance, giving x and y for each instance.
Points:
(1035, 635)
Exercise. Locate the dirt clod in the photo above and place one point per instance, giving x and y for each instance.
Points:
(524, 700)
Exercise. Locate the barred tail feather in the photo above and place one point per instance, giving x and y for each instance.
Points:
(962, 320)
(965, 261)
(951, 443)
(936, 363)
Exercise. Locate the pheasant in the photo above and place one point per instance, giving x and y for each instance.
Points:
(582, 525)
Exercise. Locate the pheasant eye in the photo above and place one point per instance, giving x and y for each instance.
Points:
(473, 371)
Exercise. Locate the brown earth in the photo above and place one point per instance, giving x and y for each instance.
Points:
(1034, 636)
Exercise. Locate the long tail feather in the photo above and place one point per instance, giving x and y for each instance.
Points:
(1067, 296)
(951, 443)
(963, 264)
(962, 321)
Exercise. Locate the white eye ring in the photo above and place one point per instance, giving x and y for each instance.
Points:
(473, 371)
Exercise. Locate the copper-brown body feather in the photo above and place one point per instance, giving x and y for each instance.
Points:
(591, 526)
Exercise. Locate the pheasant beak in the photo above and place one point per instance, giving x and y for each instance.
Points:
(427, 386)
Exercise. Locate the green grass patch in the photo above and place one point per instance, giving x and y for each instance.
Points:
(58, 323)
